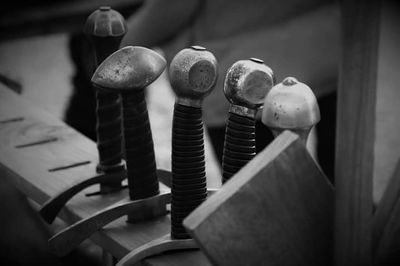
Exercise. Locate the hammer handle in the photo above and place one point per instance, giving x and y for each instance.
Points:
(239, 145)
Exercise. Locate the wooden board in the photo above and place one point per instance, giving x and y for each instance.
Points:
(28, 167)
(355, 133)
(386, 233)
(278, 210)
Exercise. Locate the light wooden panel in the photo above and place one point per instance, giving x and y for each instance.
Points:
(276, 211)
(355, 132)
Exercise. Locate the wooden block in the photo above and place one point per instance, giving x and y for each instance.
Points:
(354, 158)
(386, 206)
(278, 210)
(386, 233)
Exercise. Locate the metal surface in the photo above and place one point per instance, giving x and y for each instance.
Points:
(193, 74)
(105, 22)
(131, 68)
(246, 84)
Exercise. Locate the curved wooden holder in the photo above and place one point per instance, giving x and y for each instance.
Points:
(155, 247)
(53, 206)
(137, 210)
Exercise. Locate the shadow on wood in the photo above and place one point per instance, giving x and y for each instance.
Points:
(276, 211)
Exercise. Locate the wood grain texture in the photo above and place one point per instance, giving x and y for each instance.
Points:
(386, 233)
(277, 210)
(387, 141)
(388, 251)
(355, 132)
(386, 206)
(28, 168)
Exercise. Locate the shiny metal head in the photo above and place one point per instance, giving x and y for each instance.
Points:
(105, 22)
(193, 74)
(246, 84)
(128, 69)
(291, 105)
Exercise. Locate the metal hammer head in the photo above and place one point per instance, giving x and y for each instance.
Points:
(129, 69)
(105, 22)
(246, 84)
(291, 105)
(193, 74)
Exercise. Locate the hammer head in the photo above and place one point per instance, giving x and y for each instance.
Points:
(193, 74)
(290, 105)
(247, 82)
(129, 69)
(105, 22)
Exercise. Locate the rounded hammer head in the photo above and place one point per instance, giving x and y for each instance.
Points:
(105, 22)
(247, 82)
(128, 69)
(193, 74)
(291, 105)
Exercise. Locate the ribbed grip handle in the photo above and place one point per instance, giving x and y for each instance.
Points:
(108, 116)
(109, 132)
(189, 186)
(139, 148)
(239, 146)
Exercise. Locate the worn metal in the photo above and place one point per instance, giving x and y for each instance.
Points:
(246, 84)
(130, 69)
(193, 74)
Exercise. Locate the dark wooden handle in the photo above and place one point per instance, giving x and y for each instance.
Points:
(189, 186)
(239, 146)
(108, 109)
(140, 159)
(109, 132)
